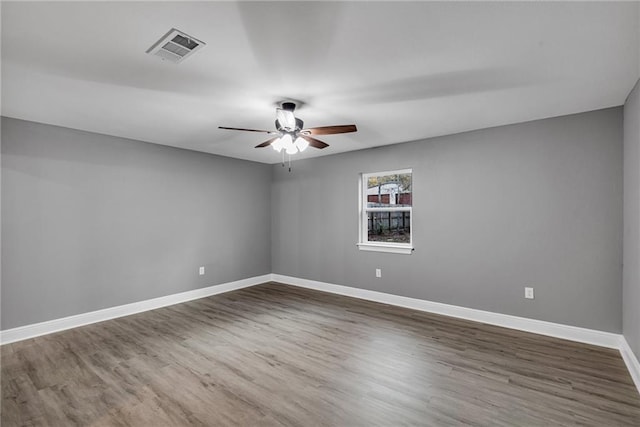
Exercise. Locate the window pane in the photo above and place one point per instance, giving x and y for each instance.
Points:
(389, 227)
(389, 190)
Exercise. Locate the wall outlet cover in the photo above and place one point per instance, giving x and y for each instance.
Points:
(528, 293)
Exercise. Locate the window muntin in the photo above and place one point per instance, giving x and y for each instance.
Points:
(386, 200)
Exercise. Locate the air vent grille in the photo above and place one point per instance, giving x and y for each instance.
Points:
(175, 46)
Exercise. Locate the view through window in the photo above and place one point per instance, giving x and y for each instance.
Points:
(386, 208)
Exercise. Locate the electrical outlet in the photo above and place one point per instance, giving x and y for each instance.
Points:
(528, 293)
(201, 271)
(378, 272)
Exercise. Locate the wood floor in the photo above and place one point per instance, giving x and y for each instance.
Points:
(280, 355)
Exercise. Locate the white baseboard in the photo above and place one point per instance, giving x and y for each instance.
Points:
(631, 361)
(573, 333)
(56, 325)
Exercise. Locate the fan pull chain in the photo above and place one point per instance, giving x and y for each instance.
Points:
(289, 162)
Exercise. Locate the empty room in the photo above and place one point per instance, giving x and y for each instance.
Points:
(325, 213)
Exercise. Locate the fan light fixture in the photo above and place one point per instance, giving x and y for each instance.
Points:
(301, 144)
(286, 143)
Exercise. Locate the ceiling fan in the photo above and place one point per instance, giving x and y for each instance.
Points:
(290, 135)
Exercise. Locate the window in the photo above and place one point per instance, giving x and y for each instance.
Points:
(385, 211)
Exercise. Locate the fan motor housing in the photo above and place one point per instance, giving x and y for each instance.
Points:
(299, 125)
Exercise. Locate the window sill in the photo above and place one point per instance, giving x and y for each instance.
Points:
(389, 248)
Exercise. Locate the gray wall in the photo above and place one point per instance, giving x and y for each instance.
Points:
(631, 271)
(534, 204)
(91, 221)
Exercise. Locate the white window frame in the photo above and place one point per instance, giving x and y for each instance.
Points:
(364, 244)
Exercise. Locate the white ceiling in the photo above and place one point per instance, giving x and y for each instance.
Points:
(399, 71)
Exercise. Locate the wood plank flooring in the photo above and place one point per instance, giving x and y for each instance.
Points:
(280, 355)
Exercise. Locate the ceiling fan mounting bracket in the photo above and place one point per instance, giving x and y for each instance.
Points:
(289, 106)
(292, 103)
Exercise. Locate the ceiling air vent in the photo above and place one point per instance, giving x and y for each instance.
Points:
(175, 46)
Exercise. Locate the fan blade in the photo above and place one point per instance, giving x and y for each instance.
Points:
(267, 143)
(316, 143)
(331, 130)
(248, 130)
